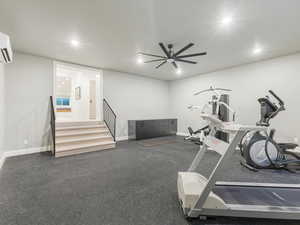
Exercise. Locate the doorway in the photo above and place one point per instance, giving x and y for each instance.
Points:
(78, 92)
(92, 102)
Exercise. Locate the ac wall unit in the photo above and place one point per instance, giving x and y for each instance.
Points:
(6, 53)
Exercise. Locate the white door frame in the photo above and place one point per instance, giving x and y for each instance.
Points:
(55, 63)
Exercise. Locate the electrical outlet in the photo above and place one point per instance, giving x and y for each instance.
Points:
(25, 142)
(296, 140)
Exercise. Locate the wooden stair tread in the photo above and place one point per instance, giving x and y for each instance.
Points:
(82, 146)
(76, 137)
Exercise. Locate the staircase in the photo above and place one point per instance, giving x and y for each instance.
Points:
(80, 137)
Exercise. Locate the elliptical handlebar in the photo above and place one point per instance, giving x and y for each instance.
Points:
(269, 109)
(281, 103)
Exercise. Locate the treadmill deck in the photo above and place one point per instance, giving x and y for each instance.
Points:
(262, 196)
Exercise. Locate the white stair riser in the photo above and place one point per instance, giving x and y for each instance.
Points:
(79, 123)
(83, 135)
(84, 150)
(81, 131)
(99, 140)
(76, 137)
(80, 128)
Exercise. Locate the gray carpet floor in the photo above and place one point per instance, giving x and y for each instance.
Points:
(130, 185)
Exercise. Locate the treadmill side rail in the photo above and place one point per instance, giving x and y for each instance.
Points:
(216, 145)
(266, 212)
(214, 175)
(258, 185)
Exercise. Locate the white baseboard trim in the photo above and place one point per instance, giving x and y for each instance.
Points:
(182, 134)
(25, 151)
(2, 159)
(19, 152)
(123, 138)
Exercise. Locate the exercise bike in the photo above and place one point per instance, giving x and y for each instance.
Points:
(197, 136)
(260, 150)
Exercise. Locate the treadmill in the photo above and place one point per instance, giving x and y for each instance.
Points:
(201, 197)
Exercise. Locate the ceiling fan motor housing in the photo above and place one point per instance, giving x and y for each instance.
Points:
(170, 60)
(172, 57)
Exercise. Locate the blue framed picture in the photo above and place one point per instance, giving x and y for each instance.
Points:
(66, 101)
(63, 101)
(59, 101)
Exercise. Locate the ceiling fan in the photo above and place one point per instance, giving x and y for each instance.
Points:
(171, 56)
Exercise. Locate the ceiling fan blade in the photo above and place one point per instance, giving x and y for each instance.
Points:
(186, 61)
(161, 64)
(141, 53)
(155, 60)
(183, 49)
(164, 49)
(175, 65)
(191, 55)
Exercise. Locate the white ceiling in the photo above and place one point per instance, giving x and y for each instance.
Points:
(111, 32)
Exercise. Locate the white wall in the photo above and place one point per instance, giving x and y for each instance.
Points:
(134, 97)
(28, 85)
(248, 82)
(2, 107)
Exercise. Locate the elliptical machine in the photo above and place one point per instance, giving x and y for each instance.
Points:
(260, 150)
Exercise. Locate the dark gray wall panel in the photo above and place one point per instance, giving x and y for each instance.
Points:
(142, 129)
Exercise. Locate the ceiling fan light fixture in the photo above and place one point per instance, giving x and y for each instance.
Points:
(170, 60)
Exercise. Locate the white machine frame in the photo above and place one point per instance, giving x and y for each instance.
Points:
(206, 203)
(217, 93)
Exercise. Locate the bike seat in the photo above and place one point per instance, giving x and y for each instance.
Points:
(285, 146)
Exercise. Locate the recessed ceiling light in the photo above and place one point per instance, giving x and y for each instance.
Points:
(257, 51)
(227, 20)
(178, 71)
(139, 60)
(75, 43)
